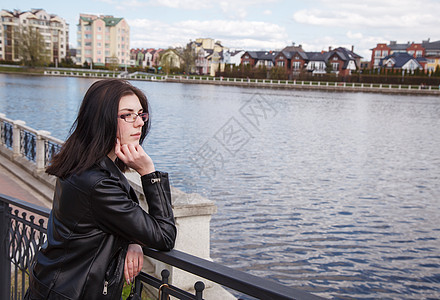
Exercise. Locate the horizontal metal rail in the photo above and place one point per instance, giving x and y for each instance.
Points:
(18, 232)
(237, 280)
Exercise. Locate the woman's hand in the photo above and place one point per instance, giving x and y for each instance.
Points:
(133, 262)
(135, 157)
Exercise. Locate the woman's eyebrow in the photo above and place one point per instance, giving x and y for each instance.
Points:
(132, 110)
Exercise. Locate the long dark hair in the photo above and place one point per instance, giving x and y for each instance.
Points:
(93, 134)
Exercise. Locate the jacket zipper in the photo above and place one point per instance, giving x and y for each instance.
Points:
(104, 292)
(154, 180)
(160, 188)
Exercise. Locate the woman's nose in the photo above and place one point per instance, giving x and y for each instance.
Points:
(139, 122)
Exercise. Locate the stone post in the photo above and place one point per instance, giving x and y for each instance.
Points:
(40, 155)
(192, 214)
(16, 137)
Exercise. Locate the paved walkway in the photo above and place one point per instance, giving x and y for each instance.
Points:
(13, 186)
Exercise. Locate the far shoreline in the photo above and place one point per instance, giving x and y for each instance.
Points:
(240, 82)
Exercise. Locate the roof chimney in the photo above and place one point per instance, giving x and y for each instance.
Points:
(352, 48)
(329, 48)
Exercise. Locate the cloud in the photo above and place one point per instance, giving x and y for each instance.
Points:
(379, 15)
(233, 8)
(234, 34)
(267, 12)
(354, 35)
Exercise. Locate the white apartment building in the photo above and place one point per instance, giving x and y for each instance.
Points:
(54, 29)
(101, 39)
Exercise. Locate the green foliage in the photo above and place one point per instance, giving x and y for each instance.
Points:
(278, 73)
(437, 71)
(328, 67)
(113, 63)
(30, 46)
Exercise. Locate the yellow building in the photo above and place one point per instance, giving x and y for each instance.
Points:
(103, 39)
(432, 64)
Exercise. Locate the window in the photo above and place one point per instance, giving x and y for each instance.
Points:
(280, 63)
(99, 28)
(419, 53)
(99, 36)
(335, 66)
(99, 52)
(296, 65)
(335, 58)
(385, 53)
(88, 28)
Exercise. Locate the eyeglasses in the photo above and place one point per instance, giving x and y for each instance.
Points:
(131, 117)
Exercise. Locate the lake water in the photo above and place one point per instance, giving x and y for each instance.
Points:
(333, 193)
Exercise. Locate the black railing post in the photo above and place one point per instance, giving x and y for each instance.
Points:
(165, 277)
(199, 286)
(5, 273)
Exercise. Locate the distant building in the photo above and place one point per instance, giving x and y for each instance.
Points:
(402, 61)
(428, 50)
(295, 60)
(259, 58)
(233, 57)
(145, 58)
(53, 28)
(103, 39)
(209, 56)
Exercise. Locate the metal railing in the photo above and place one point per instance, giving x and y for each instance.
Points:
(23, 228)
(36, 146)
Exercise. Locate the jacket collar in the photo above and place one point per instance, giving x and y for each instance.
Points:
(107, 164)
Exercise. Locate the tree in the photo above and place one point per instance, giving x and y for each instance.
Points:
(188, 57)
(113, 63)
(328, 67)
(31, 47)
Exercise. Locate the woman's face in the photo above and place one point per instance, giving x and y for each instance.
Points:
(129, 133)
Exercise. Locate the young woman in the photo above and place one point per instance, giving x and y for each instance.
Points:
(96, 227)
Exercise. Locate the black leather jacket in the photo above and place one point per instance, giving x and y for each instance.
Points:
(95, 216)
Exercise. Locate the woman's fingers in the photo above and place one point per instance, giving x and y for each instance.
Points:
(133, 262)
(126, 271)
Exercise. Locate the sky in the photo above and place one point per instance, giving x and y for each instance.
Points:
(259, 24)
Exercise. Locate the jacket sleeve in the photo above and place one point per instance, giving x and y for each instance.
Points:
(117, 214)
